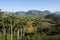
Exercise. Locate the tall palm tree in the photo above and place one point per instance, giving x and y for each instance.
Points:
(2, 16)
(21, 27)
(10, 20)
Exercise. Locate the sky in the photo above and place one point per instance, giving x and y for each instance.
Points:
(25, 5)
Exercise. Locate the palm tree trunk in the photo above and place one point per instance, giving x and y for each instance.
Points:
(11, 33)
(4, 34)
(21, 33)
(18, 34)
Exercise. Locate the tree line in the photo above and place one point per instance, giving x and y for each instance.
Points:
(13, 27)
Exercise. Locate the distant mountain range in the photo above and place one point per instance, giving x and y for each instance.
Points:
(57, 12)
(34, 12)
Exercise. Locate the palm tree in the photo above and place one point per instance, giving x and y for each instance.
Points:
(21, 27)
(10, 20)
(2, 24)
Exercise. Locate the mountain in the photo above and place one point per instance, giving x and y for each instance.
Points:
(55, 18)
(9, 12)
(34, 12)
(20, 13)
(46, 12)
(57, 12)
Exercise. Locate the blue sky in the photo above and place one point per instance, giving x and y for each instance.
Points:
(25, 5)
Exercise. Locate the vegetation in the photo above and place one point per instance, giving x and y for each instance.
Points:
(29, 27)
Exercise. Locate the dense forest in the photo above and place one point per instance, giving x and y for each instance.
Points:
(30, 25)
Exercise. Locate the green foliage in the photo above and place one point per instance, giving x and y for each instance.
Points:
(43, 28)
(1, 36)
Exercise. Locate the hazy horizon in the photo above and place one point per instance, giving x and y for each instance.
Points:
(25, 5)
